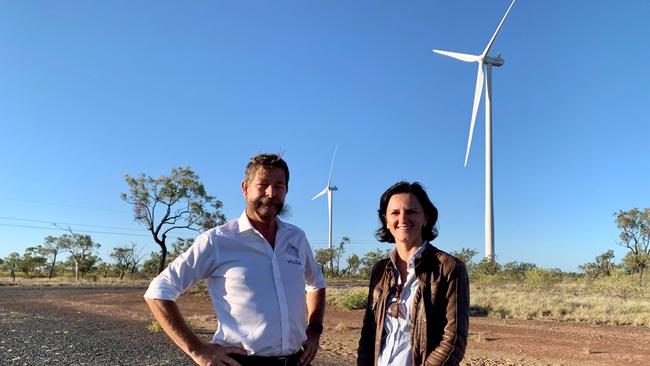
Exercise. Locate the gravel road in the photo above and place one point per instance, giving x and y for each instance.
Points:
(32, 333)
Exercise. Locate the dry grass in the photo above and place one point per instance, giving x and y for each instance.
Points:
(337, 290)
(612, 301)
(69, 281)
(593, 302)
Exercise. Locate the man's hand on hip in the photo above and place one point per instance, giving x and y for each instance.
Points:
(210, 354)
(310, 347)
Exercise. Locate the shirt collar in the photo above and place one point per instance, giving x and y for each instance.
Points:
(411, 262)
(245, 224)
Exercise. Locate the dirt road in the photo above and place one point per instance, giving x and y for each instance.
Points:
(492, 341)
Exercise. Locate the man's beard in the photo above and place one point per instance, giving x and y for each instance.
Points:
(266, 202)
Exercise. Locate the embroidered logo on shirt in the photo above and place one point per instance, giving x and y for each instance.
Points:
(292, 251)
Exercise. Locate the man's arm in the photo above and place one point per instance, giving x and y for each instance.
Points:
(170, 318)
(315, 314)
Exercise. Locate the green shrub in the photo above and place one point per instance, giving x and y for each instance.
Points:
(155, 327)
(354, 299)
(617, 285)
(540, 279)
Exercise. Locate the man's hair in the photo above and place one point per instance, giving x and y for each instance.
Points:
(266, 161)
(429, 231)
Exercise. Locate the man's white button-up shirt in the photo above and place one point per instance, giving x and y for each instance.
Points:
(258, 293)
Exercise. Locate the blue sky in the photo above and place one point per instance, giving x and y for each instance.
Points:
(90, 91)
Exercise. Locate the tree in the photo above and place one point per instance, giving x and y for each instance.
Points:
(487, 267)
(179, 246)
(32, 261)
(123, 257)
(517, 271)
(126, 259)
(51, 249)
(177, 201)
(151, 265)
(353, 263)
(324, 257)
(333, 257)
(603, 266)
(136, 258)
(465, 254)
(635, 236)
(11, 263)
(103, 268)
(338, 253)
(88, 264)
(370, 259)
(80, 248)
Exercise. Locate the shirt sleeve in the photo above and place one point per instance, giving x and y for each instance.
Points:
(314, 279)
(196, 264)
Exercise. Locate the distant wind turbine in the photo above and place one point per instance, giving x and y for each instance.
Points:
(484, 60)
(329, 189)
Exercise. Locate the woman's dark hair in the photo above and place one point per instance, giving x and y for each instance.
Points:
(429, 231)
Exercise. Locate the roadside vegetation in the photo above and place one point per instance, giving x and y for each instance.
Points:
(603, 292)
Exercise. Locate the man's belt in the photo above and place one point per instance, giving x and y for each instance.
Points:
(252, 360)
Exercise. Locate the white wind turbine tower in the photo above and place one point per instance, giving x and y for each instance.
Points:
(329, 189)
(484, 60)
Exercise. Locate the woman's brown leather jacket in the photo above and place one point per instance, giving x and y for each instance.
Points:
(439, 323)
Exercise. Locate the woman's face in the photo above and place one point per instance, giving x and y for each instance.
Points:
(405, 219)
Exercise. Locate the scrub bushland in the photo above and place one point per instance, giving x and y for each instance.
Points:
(538, 294)
(616, 300)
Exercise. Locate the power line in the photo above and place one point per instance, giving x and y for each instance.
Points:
(54, 222)
(63, 205)
(69, 223)
(76, 231)
(66, 223)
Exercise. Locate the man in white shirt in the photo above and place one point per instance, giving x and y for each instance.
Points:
(267, 290)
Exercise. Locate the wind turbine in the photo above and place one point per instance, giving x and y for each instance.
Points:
(484, 60)
(329, 189)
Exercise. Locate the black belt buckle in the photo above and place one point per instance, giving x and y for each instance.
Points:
(289, 360)
(284, 360)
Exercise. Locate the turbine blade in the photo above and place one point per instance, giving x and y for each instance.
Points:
(489, 45)
(459, 56)
(329, 180)
(477, 100)
(320, 194)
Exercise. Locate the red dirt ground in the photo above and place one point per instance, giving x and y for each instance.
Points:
(492, 341)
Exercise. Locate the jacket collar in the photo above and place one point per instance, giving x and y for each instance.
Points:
(426, 259)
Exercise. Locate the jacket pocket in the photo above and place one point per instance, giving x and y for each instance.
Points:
(376, 297)
(435, 288)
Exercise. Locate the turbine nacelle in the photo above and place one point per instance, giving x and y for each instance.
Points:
(484, 80)
(494, 61)
(482, 59)
(329, 188)
(322, 193)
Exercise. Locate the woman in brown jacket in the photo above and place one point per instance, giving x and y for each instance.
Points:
(418, 301)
